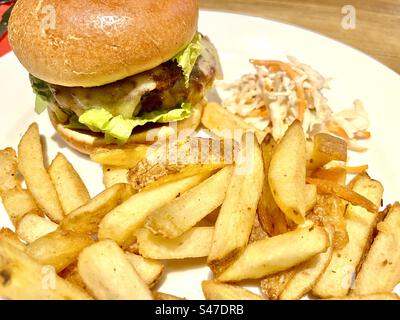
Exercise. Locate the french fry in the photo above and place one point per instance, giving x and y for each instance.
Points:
(72, 275)
(273, 285)
(224, 123)
(373, 296)
(238, 211)
(214, 290)
(18, 202)
(10, 237)
(59, 248)
(336, 175)
(306, 275)
(380, 271)
(123, 158)
(70, 188)
(328, 187)
(109, 275)
(30, 164)
(287, 174)
(32, 227)
(121, 222)
(257, 232)
(150, 271)
(184, 212)
(276, 254)
(326, 149)
(86, 219)
(23, 278)
(8, 170)
(270, 216)
(336, 280)
(165, 296)
(114, 175)
(195, 243)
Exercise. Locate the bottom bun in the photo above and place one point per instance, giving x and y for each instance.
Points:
(87, 141)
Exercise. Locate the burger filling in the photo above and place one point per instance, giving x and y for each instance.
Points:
(163, 94)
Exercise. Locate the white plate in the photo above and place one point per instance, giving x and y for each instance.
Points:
(239, 38)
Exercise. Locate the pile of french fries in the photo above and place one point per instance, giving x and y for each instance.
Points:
(280, 212)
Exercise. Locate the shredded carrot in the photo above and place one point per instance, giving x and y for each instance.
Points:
(362, 135)
(279, 65)
(334, 128)
(259, 113)
(356, 169)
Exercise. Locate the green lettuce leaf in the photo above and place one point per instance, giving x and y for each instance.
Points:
(118, 129)
(187, 58)
(43, 94)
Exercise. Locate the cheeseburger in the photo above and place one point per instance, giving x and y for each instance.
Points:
(115, 71)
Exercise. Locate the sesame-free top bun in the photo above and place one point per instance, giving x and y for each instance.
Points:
(90, 43)
(87, 141)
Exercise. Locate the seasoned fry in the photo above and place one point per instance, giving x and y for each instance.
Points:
(273, 285)
(181, 214)
(22, 278)
(32, 227)
(30, 164)
(8, 170)
(276, 254)
(109, 275)
(70, 188)
(114, 175)
(326, 148)
(271, 218)
(59, 248)
(72, 275)
(150, 271)
(287, 174)
(86, 219)
(195, 243)
(10, 237)
(214, 290)
(336, 280)
(224, 123)
(373, 296)
(121, 222)
(380, 271)
(257, 232)
(238, 211)
(18, 202)
(327, 187)
(306, 275)
(123, 158)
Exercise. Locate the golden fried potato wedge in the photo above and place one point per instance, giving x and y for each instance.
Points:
(184, 212)
(195, 243)
(273, 285)
(336, 280)
(225, 124)
(380, 271)
(120, 157)
(214, 290)
(10, 237)
(8, 170)
(149, 270)
(18, 202)
(70, 188)
(114, 175)
(238, 211)
(336, 175)
(326, 149)
(30, 164)
(282, 252)
(32, 227)
(59, 248)
(86, 219)
(121, 222)
(271, 218)
(109, 275)
(287, 174)
(23, 278)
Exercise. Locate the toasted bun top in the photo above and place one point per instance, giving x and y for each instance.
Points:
(93, 42)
